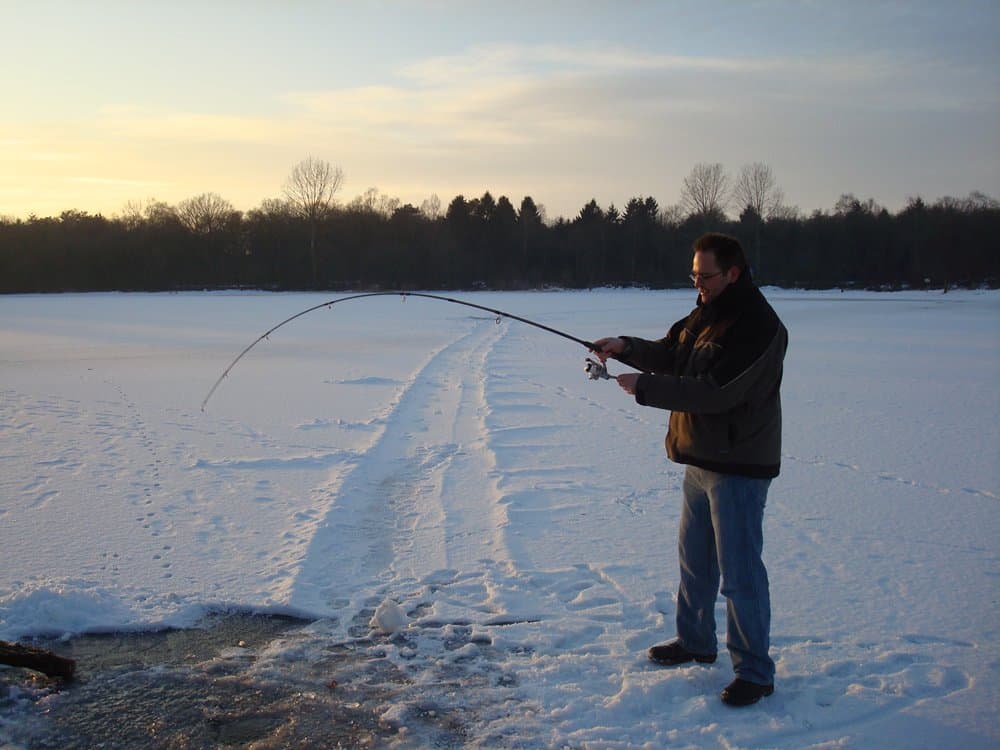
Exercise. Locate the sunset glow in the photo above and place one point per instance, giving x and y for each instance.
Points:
(114, 102)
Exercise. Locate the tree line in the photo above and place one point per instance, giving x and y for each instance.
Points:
(306, 240)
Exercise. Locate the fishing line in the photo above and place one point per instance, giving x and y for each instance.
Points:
(499, 313)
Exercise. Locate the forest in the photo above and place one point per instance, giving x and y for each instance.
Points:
(307, 240)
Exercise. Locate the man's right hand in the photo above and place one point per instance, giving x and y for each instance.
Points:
(609, 347)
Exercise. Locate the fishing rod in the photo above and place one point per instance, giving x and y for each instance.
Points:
(593, 368)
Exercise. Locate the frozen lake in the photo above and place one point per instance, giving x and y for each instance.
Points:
(521, 517)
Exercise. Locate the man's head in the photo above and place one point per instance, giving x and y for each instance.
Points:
(718, 262)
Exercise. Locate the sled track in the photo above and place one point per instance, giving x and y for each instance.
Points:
(390, 517)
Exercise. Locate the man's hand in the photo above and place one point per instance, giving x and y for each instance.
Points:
(609, 347)
(628, 382)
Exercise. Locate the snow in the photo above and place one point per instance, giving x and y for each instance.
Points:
(389, 617)
(513, 521)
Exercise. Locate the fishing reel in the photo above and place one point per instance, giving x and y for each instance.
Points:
(596, 370)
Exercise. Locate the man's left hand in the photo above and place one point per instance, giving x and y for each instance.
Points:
(628, 382)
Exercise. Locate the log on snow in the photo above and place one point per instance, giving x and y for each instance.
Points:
(18, 655)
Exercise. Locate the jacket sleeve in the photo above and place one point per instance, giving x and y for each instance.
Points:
(738, 369)
(651, 356)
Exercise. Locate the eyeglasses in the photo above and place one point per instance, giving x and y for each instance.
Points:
(697, 277)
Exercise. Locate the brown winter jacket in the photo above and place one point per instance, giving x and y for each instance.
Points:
(719, 372)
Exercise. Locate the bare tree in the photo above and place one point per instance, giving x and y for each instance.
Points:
(373, 201)
(980, 201)
(274, 207)
(133, 214)
(136, 213)
(848, 204)
(757, 189)
(786, 213)
(671, 216)
(311, 188)
(157, 213)
(704, 190)
(431, 208)
(206, 213)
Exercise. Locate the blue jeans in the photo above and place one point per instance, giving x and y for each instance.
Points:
(721, 537)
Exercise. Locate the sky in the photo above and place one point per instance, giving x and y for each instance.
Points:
(106, 103)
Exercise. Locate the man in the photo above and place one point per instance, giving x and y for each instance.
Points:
(718, 371)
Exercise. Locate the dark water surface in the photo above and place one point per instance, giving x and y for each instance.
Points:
(200, 688)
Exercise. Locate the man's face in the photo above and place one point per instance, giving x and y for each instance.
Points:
(709, 279)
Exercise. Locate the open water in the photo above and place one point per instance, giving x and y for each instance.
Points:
(198, 688)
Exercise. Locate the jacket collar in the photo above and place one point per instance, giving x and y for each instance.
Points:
(733, 297)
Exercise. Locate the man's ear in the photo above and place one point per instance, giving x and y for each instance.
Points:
(733, 273)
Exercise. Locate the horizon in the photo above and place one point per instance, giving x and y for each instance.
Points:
(730, 214)
(111, 103)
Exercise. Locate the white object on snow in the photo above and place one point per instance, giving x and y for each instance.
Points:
(389, 617)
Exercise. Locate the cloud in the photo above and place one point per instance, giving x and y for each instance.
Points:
(117, 182)
(540, 96)
(503, 61)
(203, 127)
(559, 122)
(16, 149)
(537, 97)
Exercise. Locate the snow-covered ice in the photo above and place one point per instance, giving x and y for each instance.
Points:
(514, 520)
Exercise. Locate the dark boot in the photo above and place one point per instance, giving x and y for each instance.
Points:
(743, 693)
(673, 653)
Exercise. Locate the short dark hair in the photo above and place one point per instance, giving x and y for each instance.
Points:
(728, 250)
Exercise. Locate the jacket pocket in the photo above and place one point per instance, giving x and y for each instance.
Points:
(703, 435)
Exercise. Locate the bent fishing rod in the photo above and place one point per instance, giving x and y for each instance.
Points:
(595, 370)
